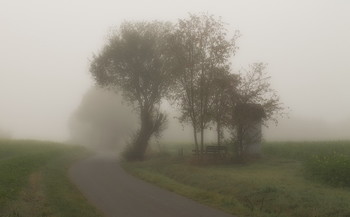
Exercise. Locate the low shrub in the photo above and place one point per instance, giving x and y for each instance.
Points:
(333, 169)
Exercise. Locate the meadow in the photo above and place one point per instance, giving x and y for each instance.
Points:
(292, 179)
(34, 180)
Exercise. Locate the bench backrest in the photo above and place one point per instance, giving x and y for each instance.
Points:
(215, 148)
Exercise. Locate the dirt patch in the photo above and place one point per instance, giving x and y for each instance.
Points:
(32, 200)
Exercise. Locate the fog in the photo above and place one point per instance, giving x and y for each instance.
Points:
(103, 121)
(45, 48)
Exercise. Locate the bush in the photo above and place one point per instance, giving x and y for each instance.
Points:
(333, 169)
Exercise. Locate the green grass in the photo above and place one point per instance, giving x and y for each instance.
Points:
(34, 182)
(305, 150)
(275, 185)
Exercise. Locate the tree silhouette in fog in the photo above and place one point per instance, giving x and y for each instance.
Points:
(203, 52)
(189, 63)
(102, 121)
(137, 61)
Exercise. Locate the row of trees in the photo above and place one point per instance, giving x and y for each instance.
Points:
(187, 63)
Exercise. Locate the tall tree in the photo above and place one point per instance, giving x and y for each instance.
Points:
(203, 48)
(224, 94)
(135, 61)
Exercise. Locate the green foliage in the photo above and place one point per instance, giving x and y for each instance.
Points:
(331, 168)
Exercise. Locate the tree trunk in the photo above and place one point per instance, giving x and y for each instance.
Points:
(195, 140)
(218, 131)
(140, 144)
(202, 139)
(239, 144)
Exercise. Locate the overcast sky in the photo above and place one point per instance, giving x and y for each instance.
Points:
(45, 47)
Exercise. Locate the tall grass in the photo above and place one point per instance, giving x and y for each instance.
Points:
(304, 150)
(272, 186)
(333, 169)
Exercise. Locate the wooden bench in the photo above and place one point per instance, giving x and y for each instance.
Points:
(215, 149)
(212, 150)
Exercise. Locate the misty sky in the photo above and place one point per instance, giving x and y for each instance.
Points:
(45, 47)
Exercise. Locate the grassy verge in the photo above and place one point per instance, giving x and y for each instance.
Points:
(34, 182)
(273, 186)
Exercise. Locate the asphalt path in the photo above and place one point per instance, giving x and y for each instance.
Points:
(117, 194)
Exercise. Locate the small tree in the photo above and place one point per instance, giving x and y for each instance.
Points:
(255, 100)
(202, 49)
(255, 87)
(137, 61)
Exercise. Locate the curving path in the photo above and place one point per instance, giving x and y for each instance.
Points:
(118, 194)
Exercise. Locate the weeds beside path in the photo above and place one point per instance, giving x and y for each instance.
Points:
(272, 186)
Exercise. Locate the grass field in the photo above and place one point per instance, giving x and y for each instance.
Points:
(34, 182)
(277, 185)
